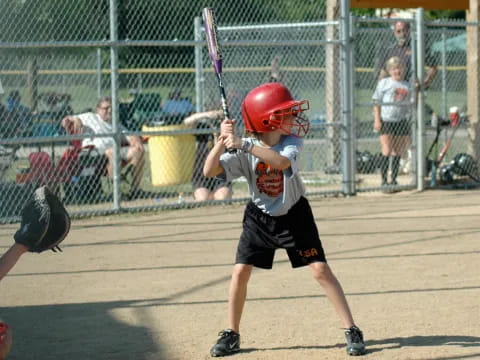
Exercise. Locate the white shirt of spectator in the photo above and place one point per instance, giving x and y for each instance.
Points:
(1, 88)
(390, 91)
(94, 124)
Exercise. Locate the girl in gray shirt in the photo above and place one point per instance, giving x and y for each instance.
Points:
(391, 113)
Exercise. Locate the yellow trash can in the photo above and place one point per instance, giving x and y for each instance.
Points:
(171, 156)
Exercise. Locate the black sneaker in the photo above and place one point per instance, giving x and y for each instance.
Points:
(227, 344)
(355, 344)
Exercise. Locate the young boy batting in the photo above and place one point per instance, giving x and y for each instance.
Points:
(278, 214)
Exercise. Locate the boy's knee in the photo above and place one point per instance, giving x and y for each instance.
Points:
(321, 271)
(241, 272)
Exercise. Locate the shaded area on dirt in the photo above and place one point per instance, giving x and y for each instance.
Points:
(76, 332)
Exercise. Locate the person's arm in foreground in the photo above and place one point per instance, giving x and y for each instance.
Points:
(10, 258)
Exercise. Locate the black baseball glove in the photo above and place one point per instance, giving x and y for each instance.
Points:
(45, 222)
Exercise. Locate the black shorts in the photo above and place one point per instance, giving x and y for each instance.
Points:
(296, 232)
(396, 128)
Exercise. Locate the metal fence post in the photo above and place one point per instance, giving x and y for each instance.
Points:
(444, 74)
(413, 99)
(115, 107)
(198, 65)
(354, 122)
(99, 72)
(420, 100)
(347, 138)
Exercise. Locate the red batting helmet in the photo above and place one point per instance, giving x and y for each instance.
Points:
(266, 108)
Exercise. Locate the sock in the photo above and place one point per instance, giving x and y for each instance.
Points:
(384, 163)
(395, 168)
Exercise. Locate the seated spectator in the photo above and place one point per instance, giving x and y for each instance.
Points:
(14, 102)
(206, 188)
(132, 151)
(176, 105)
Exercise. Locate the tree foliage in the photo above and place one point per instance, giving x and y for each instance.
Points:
(81, 20)
(87, 20)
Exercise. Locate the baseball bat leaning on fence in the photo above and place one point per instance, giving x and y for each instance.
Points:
(454, 124)
(432, 165)
(438, 130)
(216, 56)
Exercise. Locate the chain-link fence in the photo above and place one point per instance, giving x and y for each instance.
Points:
(155, 67)
(445, 99)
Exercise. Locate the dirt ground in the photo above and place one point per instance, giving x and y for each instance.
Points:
(155, 286)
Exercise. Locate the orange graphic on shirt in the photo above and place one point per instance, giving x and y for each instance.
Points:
(269, 180)
(400, 94)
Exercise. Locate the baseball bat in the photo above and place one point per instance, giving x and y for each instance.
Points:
(216, 56)
(443, 151)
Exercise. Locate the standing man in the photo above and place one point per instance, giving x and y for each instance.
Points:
(403, 50)
(100, 122)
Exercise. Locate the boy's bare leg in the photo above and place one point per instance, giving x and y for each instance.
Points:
(238, 294)
(324, 275)
(353, 335)
(229, 341)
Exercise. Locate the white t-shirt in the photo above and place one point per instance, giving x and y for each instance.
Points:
(94, 124)
(273, 191)
(392, 91)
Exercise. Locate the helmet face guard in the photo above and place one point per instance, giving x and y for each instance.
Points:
(271, 106)
(291, 120)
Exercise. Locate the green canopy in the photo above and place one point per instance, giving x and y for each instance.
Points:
(456, 43)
